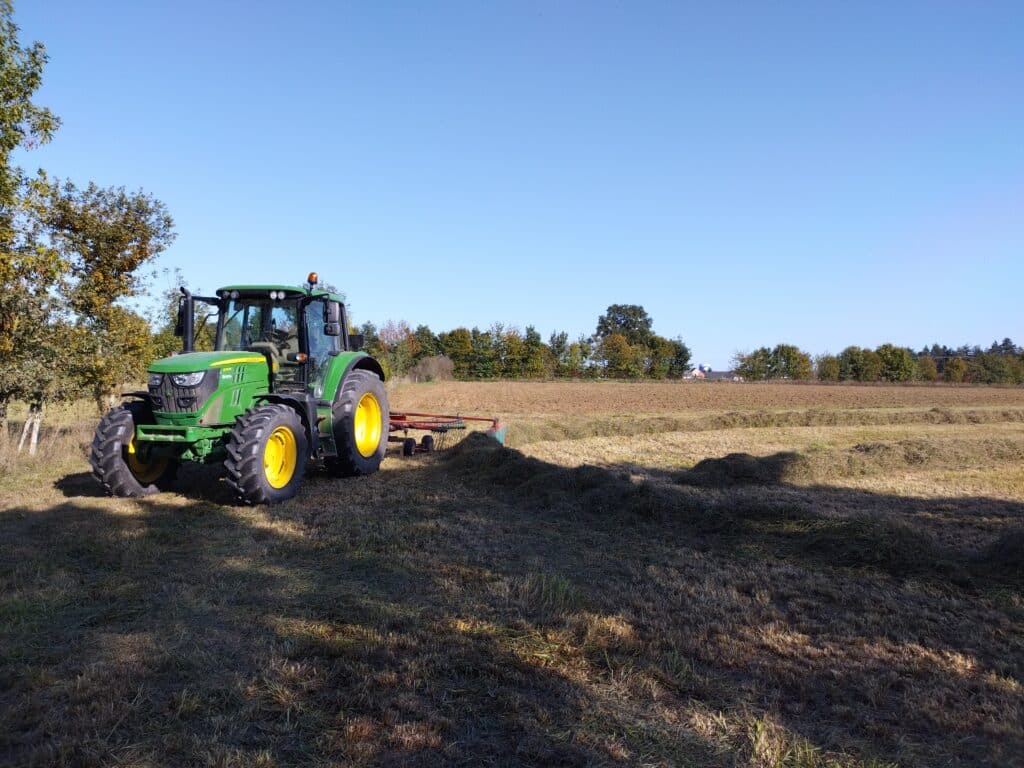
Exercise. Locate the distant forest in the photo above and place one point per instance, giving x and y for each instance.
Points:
(625, 346)
(1001, 363)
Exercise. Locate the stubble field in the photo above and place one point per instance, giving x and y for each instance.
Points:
(651, 574)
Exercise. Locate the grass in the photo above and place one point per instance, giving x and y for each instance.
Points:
(779, 594)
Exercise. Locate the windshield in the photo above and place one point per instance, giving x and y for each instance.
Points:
(249, 322)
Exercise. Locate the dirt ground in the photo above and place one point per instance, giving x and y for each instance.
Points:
(655, 574)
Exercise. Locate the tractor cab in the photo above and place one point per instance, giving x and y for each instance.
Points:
(297, 330)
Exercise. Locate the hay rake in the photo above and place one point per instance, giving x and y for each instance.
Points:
(439, 428)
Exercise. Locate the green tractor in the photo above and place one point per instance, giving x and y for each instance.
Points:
(285, 385)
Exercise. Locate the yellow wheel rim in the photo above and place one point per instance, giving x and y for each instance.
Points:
(368, 425)
(280, 457)
(144, 471)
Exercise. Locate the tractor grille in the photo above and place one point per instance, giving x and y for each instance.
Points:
(169, 398)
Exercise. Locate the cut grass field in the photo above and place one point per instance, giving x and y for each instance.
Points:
(687, 574)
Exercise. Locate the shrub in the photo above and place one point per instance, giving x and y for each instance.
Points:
(434, 368)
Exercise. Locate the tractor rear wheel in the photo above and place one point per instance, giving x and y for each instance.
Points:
(361, 425)
(267, 452)
(116, 461)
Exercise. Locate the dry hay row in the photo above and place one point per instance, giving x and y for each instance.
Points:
(527, 431)
(871, 458)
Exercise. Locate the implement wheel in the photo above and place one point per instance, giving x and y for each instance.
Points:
(116, 460)
(267, 453)
(361, 424)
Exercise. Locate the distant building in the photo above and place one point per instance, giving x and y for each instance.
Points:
(705, 373)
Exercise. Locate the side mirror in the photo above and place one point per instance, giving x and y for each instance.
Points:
(355, 341)
(332, 315)
(179, 324)
(332, 329)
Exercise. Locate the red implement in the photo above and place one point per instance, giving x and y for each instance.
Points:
(438, 425)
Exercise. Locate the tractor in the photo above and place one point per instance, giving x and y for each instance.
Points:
(285, 385)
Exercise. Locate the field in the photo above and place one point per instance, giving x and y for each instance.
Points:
(684, 574)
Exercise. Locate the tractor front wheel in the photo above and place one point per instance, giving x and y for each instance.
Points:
(361, 424)
(267, 453)
(116, 460)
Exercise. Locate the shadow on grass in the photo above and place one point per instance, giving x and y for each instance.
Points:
(483, 607)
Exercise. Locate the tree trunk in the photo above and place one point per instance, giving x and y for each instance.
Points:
(25, 430)
(30, 429)
(33, 442)
(3, 422)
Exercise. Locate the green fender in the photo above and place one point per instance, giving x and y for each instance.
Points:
(341, 365)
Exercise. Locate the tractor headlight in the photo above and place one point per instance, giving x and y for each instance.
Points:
(187, 379)
(156, 379)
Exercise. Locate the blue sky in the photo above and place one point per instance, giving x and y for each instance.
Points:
(817, 173)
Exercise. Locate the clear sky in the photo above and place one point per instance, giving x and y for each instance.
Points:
(817, 173)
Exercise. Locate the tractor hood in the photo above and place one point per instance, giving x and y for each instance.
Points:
(200, 361)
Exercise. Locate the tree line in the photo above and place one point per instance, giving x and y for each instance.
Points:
(1001, 363)
(624, 345)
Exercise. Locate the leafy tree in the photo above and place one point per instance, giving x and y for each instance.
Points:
(578, 357)
(754, 366)
(955, 370)
(789, 362)
(658, 354)
(23, 123)
(538, 359)
(619, 357)
(897, 363)
(486, 359)
(30, 272)
(426, 341)
(105, 235)
(680, 363)
(628, 320)
(856, 364)
(558, 342)
(927, 370)
(457, 346)
(827, 367)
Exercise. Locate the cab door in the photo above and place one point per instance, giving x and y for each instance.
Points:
(321, 347)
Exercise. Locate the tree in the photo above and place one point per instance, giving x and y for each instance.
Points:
(619, 357)
(897, 363)
(628, 320)
(457, 346)
(955, 370)
(926, 369)
(23, 123)
(789, 362)
(105, 235)
(827, 368)
(753, 366)
(558, 342)
(856, 364)
(538, 360)
(658, 355)
(680, 363)
(30, 272)
(427, 341)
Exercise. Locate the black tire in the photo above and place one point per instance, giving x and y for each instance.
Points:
(350, 461)
(248, 472)
(409, 446)
(427, 443)
(112, 466)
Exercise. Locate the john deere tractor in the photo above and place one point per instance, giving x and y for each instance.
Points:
(284, 385)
